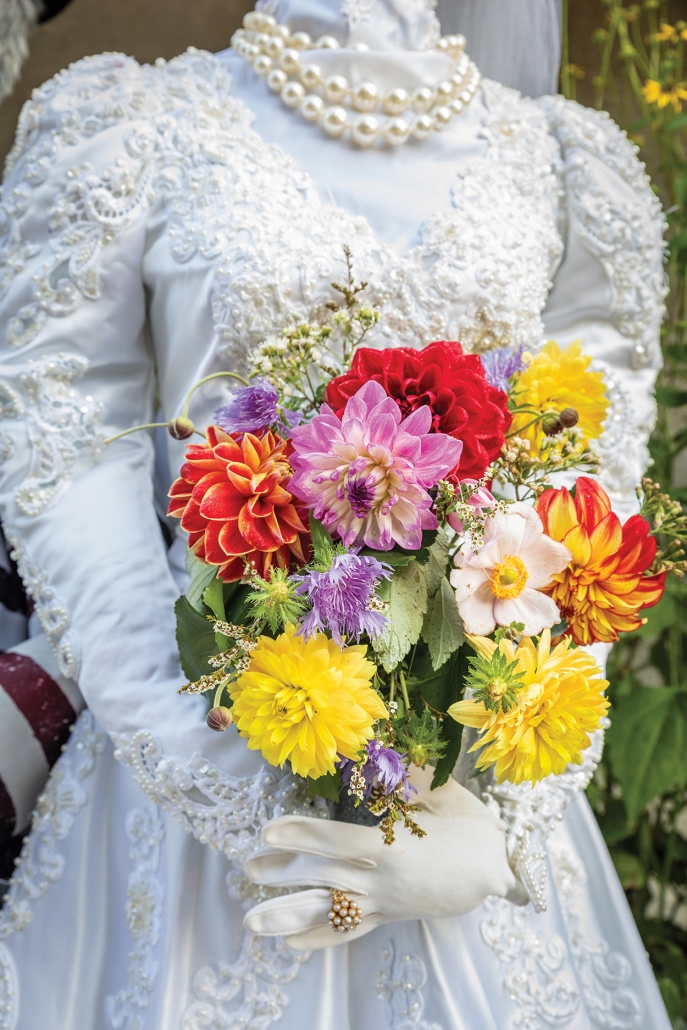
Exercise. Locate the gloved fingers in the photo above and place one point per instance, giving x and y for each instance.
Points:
(286, 869)
(325, 937)
(324, 837)
(289, 914)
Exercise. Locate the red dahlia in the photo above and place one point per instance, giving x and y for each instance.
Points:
(453, 384)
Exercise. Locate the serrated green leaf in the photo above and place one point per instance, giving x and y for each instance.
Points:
(647, 745)
(438, 688)
(442, 629)
(396, 559)
(201, 577)
(406, 593)
(195, 639)
(436, 564)
(452, 735)
(327, 786)
(213, 597)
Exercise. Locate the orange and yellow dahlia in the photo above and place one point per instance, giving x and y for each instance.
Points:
(604, 587)
(232, 499)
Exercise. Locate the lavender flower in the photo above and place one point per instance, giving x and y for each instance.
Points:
(343, 597)
(253, 407)
(383, 768)
(500, 364)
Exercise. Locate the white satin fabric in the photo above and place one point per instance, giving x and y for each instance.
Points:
(152, 237)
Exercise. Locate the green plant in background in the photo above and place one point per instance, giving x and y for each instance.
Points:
(639, 793)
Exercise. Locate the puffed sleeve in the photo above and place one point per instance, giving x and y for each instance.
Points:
(82, 205)
(610, 287)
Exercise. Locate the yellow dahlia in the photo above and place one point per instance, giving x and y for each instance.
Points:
(554, 380)
(559, 702)
(306, 701)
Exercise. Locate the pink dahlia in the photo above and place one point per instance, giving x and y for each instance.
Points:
(366, 475)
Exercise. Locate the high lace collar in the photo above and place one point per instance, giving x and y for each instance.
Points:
(379, 24)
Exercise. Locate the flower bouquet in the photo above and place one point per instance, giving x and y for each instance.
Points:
(379, 556)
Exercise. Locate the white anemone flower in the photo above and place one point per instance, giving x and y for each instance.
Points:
(502, 582)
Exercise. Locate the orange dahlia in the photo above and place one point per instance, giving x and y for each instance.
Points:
(604, 587)
(231, 498)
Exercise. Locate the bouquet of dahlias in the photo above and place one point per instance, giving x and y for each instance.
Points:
(378, 557)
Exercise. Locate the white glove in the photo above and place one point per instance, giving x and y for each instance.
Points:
(460, 862)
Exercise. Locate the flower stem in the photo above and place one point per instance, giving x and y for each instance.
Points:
(135, 429)
(206, 379)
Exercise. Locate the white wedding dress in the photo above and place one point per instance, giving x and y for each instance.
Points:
(157, 223)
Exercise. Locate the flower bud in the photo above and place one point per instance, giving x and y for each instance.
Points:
(219, 719)
(551, 424)
(568, 418)
(181, 428)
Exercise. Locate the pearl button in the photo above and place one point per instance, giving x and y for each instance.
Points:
(290, 61)
(365, 130)
(262, 65)
(311, 76)
(422, 126)
(274, 47)
(312, 107)
(292, 94)
(395, 101)
(422, 99)
(396, 131)
(334, 121)
(276, 80)
(365, 96)
(442, 118)
(300, 40)
(335, 88)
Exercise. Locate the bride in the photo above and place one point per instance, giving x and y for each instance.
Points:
(160, 222)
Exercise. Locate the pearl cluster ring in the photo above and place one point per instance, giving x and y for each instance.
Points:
(275, 54)
(344, 915)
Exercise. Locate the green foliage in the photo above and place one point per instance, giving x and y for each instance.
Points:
(327, 786)
(442, 630)
(435, 691)
(420, 737)
(201, 576)
(195, 639)
(406, 595)
(495, 681)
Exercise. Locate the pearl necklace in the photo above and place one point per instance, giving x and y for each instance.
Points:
(275, 55)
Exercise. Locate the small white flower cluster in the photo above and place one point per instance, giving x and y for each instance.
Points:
(357, 785)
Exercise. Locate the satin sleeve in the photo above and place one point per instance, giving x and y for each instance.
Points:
(82, 207)
(610, 287)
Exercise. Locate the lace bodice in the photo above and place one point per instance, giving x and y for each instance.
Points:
(140, 207)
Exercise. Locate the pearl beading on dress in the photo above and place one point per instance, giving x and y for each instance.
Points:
(275, 55)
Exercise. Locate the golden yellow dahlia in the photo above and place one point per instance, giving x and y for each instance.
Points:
(306, 701)
(554, 380)
(561, 702)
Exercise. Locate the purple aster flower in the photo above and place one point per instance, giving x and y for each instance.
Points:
(500, 364)
(342, 598)
(384, 768)
(253, 407)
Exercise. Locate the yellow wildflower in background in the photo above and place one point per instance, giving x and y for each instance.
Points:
(306, 701)
(554, 380)
(559, 703)
(656, 93)
(671, 34)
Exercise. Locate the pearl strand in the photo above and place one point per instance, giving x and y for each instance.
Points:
(275, 55)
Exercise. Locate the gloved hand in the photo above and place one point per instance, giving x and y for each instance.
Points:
(451, 871)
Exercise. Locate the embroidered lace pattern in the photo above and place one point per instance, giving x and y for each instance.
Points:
(247, 993)
(623, 446)
(223, 811)
(400, 985)
(126, 1009)
(62, 425)
(626, 236)
(9, 991)
(51, 610)
(602, 975)
(538, 976)
(40, 862)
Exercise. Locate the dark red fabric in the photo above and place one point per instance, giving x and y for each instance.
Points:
(8, 816)
(40, 700)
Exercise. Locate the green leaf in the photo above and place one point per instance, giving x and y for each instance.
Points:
(439, 688)
(670, 397)
(442, 629)
(321, 540)
(201, 576)
(630, 869)
(647, 745)
(213, 597)
(327, 786)
(675, 124)
(396, 559)
(451, 734)
(659, 618)
(436, 562)
(406, 594)
(195, 639)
